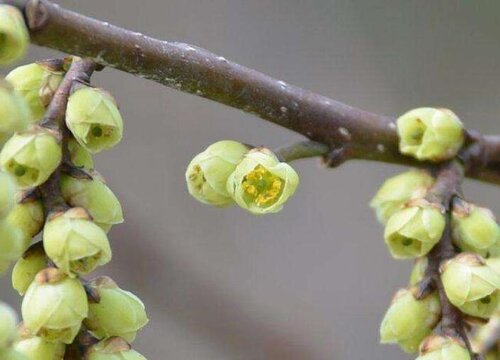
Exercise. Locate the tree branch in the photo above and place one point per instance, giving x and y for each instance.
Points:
(447, 186)
(350, 133)
(80, 71)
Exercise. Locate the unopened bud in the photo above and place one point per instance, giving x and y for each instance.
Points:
(409, 320)
(26, 268)
(471, 285)
(430, 134)
(437, 347)
(80, 157)
(8, 326)
(96, 197)
(11, 245)
(7, 194)
(207, 174)
(398, 190)
(54, 306)
(74, 243)
(94, 119)
(118, 312)
(14, 112)
(36, 84)
(413, 231)
(114, 348)
(31, 157)
(14, 37)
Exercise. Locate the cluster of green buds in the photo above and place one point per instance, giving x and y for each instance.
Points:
(59, 306)
(415, 221)
(229, 172)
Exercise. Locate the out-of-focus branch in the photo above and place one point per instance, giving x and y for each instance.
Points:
(348, 132)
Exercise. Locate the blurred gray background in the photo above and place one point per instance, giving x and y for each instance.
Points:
(313, 282)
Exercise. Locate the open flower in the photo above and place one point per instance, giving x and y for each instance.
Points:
(471, 285)
(36, 83)
(409, 320)
(430, 134)
(74, 243)
(14, 38)
(207, 173)
(94, 119)
(54, 306)
(117, 312)
(261, 183)
(414, 230)
(399, 189)
(31, 157)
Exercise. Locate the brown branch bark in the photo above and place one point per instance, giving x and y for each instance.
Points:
(350, 133)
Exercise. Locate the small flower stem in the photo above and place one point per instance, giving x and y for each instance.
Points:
(301, 150)
(80, 71)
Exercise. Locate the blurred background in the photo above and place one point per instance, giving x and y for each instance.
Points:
(312, 282)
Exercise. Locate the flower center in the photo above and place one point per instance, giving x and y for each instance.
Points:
(197, 178)
(486, 300)
(97, 131)
(407, 242)
(262, 187)
(418, 132)
(20, 170)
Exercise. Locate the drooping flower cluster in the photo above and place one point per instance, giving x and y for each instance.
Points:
(59, 306)
(414, 225)
(229, 172)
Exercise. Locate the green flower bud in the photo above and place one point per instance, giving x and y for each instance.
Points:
(418, 272)
(79, 156)
(8, 326)
(471, 285)
(96, 197)
(28, 217)
(14, 113)
(37, 348)
(474, 227)
(443, 348)
(261, 183)
(14, 37)
(413, 231)
(33, 261)
(11, 245)
(36, 84)
(31, 157)
(9, 354)
(397, 190)
(7, 194)
(430, 134)
(74, 243)
(55, 306)
(114, 348)
(408, 320)
(207, 174)
(94, 119)
(118, 312)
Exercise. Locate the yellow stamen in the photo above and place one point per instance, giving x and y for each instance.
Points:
(262, 187)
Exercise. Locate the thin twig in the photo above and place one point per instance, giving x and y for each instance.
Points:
(349, 132)
(301, 150)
